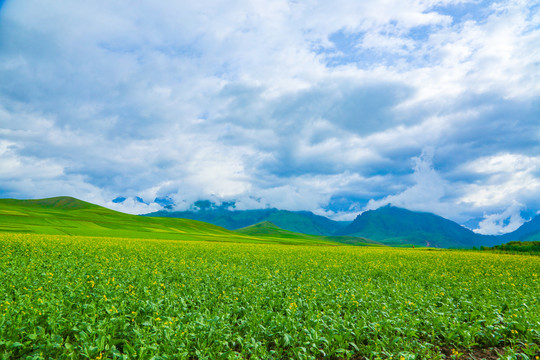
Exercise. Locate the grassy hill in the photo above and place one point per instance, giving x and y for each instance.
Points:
(297, 221)
(268, 230)
(69, 216)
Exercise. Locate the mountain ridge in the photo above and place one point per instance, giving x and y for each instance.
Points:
(423, 229)
(396, 226)
(528, 230)
(304, 222)
(387, 225)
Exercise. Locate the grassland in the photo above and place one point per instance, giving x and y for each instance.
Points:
(75, 297)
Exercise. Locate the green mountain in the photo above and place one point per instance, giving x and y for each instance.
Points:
(531, 237)
(529, 231)
(266, 229)
(69, 216)
(297, 221)
(397, 227)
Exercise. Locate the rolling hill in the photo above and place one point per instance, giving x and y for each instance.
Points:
(395, 226)
(297, 221)
(69, 216)
(266, 229)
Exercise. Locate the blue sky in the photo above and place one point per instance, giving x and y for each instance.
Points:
(333, 107)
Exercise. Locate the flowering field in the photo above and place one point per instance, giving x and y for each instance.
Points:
(107, 298)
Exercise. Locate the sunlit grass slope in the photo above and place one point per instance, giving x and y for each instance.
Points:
(69, 216)
(268, 230)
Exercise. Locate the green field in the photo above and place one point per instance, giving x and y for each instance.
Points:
(74, 297)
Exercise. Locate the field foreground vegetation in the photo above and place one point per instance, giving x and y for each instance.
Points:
(71, 297)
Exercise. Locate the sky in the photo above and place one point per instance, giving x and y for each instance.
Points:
(335, 107)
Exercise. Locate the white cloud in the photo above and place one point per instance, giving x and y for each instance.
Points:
(507, 178)
(427, 192)
(253, 100)
(132, 206)
(14, 167)
(500, 223)
(504, 163)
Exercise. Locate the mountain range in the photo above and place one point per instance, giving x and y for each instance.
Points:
(387, 225)
(395, 226)
(298, 221)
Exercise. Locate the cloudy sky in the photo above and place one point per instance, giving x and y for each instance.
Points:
(330, 106)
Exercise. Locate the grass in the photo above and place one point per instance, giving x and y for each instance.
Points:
(74, 297)
(268, 230)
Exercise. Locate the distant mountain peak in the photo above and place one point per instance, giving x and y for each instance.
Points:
(296, 221)
(397, 226)
(121, 199)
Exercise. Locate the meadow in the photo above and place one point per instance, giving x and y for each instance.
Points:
(79, 297)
